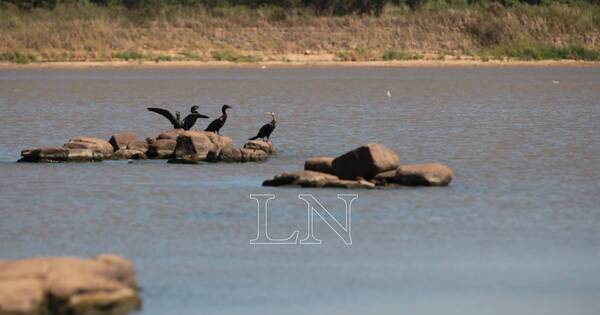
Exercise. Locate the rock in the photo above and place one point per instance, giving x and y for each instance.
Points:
(90, 143)
(46, 154)
(220, 142)
(249, 155)
(365, 161)
(301, 178)
(139, 145)
(60, 155)
(125, 154)
(424, 175)
(170, 134)
(230, 155)
(121, 140)
(266, 146)
(194, 146)
(84, 155)
(161, 149)
(344, 183)
(68, 285)
(384, 178)
(319, 164)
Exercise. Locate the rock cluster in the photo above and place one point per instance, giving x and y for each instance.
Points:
(176, 145)
(105, 284)
(368, 166)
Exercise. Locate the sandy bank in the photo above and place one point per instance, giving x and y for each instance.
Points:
(295, 63)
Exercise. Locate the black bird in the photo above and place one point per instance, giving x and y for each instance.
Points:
(218, 123)
(184, 124)
(266, 129)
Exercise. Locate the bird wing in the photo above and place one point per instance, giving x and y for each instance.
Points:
(190, 120)
(165, 113)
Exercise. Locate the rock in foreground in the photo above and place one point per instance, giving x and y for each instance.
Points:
(105, 284)
(369, 166)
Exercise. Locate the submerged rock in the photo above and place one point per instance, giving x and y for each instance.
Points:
(301, 178)
(49, 155)
(120, 141)
(365, 161)
(432, 174)
(46, 154)
(105, 284)
(315, 179)
(91, 143)
(319, 164)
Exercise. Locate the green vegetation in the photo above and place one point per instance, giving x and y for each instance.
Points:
(232, 56)
(391, 54)
(274, 30)
(17, 57)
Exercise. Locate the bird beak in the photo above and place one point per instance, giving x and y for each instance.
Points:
(203, 116)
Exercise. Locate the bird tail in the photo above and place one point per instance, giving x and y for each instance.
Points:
(254, 138)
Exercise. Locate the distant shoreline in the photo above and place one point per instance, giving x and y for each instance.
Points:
(294, 64)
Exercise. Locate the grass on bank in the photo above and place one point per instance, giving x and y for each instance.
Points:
(85, 32)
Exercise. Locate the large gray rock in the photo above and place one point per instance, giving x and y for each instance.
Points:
(161, 149)
(68, 285)
(365, 161)
(90, 143)
(432, 174)
(319, 164)
(121, 140)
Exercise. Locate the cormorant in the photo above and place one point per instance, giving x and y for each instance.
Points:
(186, 123)
(218, 123)
(266, 129)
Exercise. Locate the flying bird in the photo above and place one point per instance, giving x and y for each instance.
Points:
(266, 130)
(186, 124)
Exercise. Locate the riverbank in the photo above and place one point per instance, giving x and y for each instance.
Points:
(278, 64)
(485, 32)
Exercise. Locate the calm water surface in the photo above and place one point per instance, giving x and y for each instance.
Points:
(518, 230)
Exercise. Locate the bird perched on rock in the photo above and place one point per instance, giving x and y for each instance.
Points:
(187, 123)
(218, 123)
(266, 130)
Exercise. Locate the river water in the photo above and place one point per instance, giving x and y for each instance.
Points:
(517, 231)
